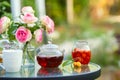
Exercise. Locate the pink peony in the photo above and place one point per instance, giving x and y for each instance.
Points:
(29, 18)
(38, 35)
(4, 23)
(27, 9)
(48, 22)
(23, 34)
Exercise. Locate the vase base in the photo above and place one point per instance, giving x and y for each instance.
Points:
(27, 71)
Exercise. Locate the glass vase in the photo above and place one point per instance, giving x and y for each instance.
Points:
(29, 56)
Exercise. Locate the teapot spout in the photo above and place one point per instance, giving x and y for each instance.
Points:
(63, 51)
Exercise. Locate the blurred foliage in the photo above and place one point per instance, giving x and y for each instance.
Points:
(115, 9)
(28, 3)
(57, 10)
(5, 8)
(104, 54)
(81, 7)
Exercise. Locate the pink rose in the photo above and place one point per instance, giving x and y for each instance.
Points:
(4, 23)
(29, 18)
(38, 35)
(23, 34)
(27, 9)
(48, 22)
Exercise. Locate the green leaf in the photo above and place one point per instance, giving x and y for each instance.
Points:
(67, 63)
(5, 3)
(32, 29)
(0, 36)
(11, 31)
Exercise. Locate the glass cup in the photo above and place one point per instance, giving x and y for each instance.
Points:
(12, 60)
(81, 52)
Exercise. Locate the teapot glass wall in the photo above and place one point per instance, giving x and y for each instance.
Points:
(49, 56)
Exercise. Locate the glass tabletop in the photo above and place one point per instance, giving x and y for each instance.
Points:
(92, 71)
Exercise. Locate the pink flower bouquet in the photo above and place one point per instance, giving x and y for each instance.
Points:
(27, 28)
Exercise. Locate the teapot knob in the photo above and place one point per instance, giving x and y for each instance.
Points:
(50, 41)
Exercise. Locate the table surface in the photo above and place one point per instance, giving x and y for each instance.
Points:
(90, 72)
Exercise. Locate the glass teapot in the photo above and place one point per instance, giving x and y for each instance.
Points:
(49, 56)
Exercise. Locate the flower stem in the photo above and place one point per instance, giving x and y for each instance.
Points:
(24, 51)
(27, 53)
(45, 39)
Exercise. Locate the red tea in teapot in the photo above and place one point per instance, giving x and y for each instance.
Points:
(49, 62)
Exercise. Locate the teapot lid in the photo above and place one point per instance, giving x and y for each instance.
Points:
(50, 46)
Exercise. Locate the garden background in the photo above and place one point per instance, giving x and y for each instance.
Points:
(97, 21)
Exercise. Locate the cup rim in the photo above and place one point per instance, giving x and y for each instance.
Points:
(12, 50)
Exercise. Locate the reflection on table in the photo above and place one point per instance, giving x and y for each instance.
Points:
(24, 72)
(45, 72)
(81, 69)
(92, 71)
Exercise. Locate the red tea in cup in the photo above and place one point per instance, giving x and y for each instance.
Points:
(81, 55)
